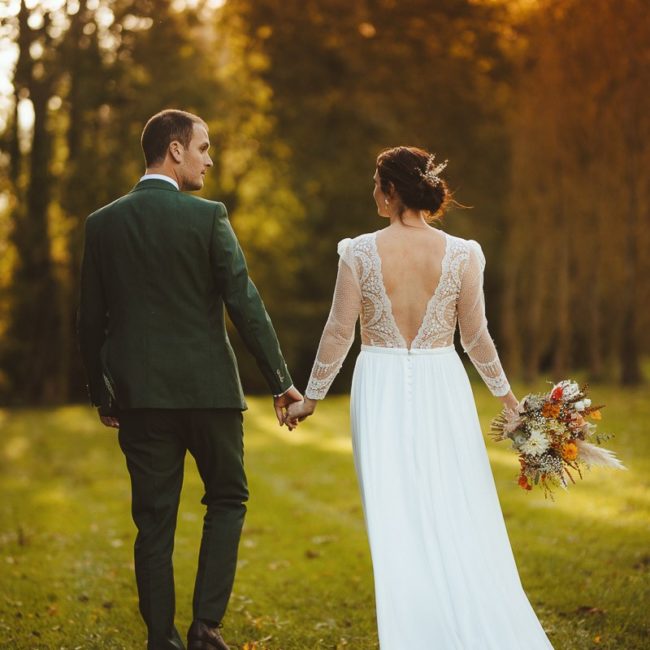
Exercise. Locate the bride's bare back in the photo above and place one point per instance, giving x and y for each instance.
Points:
(411, 267)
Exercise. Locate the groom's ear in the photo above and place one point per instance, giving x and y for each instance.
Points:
(176, 151)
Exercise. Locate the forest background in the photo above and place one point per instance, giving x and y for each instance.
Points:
(541, 106)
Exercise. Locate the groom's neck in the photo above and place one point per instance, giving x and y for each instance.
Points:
(165, 170)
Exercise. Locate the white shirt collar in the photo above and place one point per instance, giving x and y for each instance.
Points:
(160, 177)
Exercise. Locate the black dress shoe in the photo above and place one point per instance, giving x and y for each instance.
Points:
(201, 636)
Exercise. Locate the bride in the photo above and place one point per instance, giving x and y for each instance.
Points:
(445, 576)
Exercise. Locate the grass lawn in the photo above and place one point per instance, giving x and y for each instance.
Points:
(304, 579)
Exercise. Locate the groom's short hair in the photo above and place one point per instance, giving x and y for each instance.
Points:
(165, 127)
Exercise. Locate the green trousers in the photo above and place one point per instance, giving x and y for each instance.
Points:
(154, 442)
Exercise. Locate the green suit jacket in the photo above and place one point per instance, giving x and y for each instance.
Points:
(158, 267)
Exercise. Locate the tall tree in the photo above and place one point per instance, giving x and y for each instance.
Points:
(30, 349)
(580, 137)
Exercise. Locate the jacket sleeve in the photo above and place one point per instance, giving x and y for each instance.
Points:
(244, 304)
(92, 320)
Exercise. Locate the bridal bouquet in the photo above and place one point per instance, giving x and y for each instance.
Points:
(552, 433)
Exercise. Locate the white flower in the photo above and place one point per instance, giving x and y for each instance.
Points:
(587, 402)
(518, 439)
(569, 389)
(536, 444)
(533, 402)
(580, 405)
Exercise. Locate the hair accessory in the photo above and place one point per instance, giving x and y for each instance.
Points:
(430, 174)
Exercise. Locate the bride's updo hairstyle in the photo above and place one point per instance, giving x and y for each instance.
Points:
(411, 176)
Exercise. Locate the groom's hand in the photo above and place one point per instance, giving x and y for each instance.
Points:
(110, 421)
(281, 402)
(299, 411)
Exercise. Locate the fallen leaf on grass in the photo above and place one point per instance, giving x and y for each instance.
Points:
(256, 530)
(329, 624)
(323, 539)
(588, 609)
(22, 537)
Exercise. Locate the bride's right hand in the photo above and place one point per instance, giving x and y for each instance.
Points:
(509, 401)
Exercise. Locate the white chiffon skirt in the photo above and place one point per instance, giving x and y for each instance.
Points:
(445, 577)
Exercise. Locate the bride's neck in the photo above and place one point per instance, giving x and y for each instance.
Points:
(410, 219)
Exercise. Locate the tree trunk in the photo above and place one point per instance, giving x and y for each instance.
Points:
(629, 347)
(33, 335)
(511, 323)
(561, 288)
(533, 301)
(594, 322)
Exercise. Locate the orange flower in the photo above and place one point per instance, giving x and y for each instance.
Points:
(570, 451)
(523, 482)
(595, 415)
(550, 410)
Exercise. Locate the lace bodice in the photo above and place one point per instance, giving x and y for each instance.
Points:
(360, 292)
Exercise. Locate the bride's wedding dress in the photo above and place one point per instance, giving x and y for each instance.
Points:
(445, 576)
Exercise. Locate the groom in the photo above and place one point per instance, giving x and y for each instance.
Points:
(158, 268)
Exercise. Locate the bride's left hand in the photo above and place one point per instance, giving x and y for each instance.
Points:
(298, 411)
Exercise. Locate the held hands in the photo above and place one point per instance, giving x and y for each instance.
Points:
(299, 411)
(282, 402)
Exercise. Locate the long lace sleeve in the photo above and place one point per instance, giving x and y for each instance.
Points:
(474, 334)
(338, 334)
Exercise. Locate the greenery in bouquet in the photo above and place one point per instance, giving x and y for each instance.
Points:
(554, 434)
